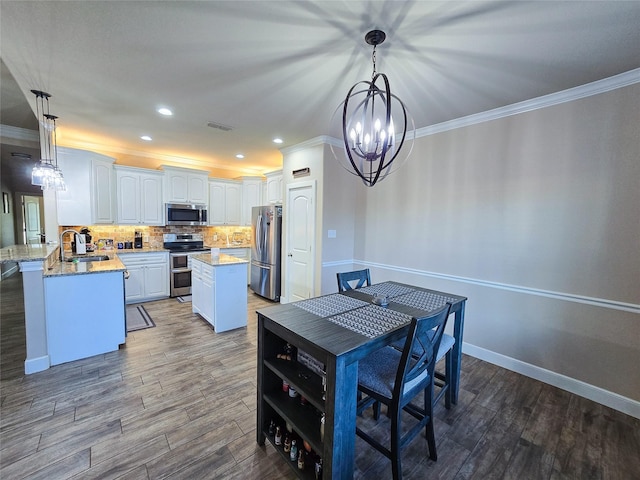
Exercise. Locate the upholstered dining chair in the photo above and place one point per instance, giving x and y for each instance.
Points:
(396, 378)
(354, 279)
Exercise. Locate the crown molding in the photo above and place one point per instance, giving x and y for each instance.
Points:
(313, 142)
(17, 133)
(594, 88)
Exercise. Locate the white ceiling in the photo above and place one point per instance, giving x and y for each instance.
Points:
(280, 68)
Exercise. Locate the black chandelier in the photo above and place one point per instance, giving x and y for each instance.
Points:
(370, 116)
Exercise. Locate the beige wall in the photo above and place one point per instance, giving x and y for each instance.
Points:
(534, 217)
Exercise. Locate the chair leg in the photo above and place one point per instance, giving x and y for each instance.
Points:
(447, 379)
(396, 454)
(429, 431)
(376, 410)
(431, 441)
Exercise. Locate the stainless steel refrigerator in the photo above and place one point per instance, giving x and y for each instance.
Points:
(266, 229)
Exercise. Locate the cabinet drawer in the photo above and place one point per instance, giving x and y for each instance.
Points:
(208, 271)
(131, 259)
(195, 266)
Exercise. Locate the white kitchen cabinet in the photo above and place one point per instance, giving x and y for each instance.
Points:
(104, 209)
(139, 196)
(251, 197)
(203, 292)
(219, 292)
(225, 198)
(134, 284)
(148, 276)
(196, 286)
(183, 185)
(275, 187)
(89, 197)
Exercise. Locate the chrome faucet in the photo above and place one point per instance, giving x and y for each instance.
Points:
(227, 239)
(62, 245)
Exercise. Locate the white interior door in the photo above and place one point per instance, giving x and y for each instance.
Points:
(32, 227)
(300, 246)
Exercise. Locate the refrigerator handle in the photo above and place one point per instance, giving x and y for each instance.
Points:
(258, 235)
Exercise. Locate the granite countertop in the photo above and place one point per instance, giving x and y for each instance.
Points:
(58, 268)
(218, 260)
(162, 249)
(53, 267)
(26, 253)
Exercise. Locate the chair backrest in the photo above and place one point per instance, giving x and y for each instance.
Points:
(355, 279)
(418, 359)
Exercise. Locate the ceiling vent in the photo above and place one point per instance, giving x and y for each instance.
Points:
(219, 126)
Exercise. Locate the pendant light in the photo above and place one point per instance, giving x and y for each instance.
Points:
(374, 125)
(46, 172)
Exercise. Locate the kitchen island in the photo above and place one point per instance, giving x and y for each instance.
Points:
(219, 290)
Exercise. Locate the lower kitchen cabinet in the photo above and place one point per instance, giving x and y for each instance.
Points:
(219, 292)
(148, 276)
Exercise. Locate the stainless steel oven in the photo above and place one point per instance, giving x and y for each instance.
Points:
(180, 274)
(181, 247)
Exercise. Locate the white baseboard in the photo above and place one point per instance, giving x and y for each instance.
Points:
(9, 272)
(38, 364)
(597, 394)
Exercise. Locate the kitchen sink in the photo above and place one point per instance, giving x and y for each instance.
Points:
(93, 258)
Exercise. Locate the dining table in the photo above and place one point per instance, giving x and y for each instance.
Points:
(313, 347)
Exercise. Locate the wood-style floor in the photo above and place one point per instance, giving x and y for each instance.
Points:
(178, 401)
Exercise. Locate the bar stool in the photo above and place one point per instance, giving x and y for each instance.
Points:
(354, 279)
(395, 378)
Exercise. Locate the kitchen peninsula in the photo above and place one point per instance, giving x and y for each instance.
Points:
(219, 290)
(75, 310)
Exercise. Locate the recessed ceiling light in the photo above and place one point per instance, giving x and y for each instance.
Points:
(239, 155)
(146, 138)
(165, 111)
(277, 140)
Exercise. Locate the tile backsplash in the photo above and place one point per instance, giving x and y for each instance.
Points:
(215, 236)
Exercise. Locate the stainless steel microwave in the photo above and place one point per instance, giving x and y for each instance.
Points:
(186, 214)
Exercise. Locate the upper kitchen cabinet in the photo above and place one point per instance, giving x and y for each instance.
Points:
(183, 185)
(89, 197)
(251, 197)
(139, 194)
(275, 187)
(225, 199)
